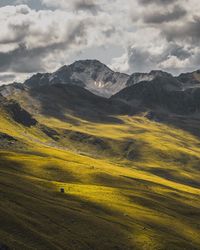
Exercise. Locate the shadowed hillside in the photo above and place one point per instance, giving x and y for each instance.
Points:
(129, 167)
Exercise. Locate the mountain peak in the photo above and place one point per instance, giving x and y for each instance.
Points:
(89, 74)
(191, 79)
(88, 62)
(139, 77)
(81, 65)
(160, 73)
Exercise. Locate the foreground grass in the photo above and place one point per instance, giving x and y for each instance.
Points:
(110, 202)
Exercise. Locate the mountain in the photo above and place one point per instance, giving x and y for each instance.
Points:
(59, 100)
(86, 84)
(158, 92)
(89, 74)
(62, 100)
(162, 93)
(73, 89)
(140, 77)
(190, 80)
(93, 76)
(11, 90)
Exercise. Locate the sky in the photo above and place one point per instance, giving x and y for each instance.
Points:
(129, 36)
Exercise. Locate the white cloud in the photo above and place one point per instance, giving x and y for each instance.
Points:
(45, 39)
(173, 62)
(120, 64)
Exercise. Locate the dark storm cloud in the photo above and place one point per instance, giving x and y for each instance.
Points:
(160, 2)
(189, 31)
(158, 17)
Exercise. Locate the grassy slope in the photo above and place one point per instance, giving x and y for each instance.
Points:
(151, 202)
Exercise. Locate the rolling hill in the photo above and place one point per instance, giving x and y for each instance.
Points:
(129, 165)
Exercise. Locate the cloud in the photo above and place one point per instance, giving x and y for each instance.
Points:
(187, 31)
(5, 78)
(157, 2)
(138, 59)
(87, 5)
(158, 17)
(42, 35)
(172, 57)
(75, 5)
(41, 40)
(173, 28)
(34, 36)
(9, 77)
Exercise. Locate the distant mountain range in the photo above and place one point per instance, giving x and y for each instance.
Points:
(89, 88)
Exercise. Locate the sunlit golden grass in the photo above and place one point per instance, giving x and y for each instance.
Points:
(110, 201)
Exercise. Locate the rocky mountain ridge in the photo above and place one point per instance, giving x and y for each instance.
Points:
(98, 79)
(90, 85)
(89, 74)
